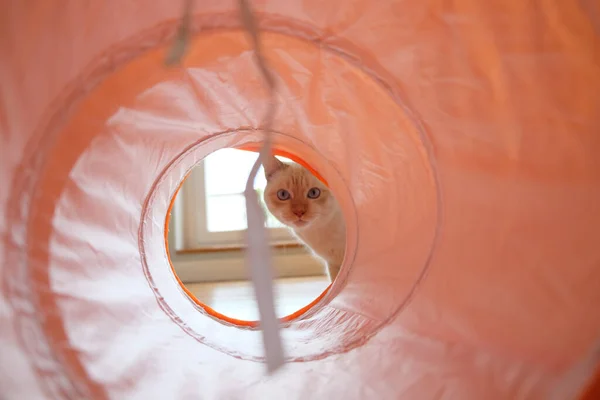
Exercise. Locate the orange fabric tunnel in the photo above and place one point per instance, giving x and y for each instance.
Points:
(461, 138)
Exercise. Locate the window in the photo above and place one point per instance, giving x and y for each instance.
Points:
(214, 207)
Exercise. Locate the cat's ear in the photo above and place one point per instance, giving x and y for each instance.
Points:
(272, 165)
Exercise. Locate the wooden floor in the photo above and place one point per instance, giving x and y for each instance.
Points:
(236, 299)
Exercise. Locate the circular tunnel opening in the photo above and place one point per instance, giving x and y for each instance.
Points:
(208, 222)
(371, 152)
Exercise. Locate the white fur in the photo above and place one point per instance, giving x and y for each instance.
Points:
(322, 227)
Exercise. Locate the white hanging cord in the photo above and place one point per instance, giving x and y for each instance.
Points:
(180, 44)
(258, 253)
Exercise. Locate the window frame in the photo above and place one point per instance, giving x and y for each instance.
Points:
(193, 219)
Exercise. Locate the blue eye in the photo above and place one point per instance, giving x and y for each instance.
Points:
(283, 194)
(313, 193)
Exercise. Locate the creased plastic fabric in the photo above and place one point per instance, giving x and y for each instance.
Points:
(461, 139)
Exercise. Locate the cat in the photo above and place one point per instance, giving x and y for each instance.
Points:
(305, 205)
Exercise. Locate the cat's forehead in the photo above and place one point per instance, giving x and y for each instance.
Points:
(296, 177)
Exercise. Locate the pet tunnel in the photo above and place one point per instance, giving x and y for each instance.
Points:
(462, 139)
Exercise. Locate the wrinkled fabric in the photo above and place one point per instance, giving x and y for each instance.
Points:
(460, 138)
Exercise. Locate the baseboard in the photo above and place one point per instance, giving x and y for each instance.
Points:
(232, 267)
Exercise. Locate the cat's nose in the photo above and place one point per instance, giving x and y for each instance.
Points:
(299, 213)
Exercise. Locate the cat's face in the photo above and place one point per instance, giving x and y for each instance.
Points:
(294, 196)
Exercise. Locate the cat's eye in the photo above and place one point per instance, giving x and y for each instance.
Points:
(313, 193)
(283, 194)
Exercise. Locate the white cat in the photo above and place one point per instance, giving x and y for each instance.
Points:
(304, 204)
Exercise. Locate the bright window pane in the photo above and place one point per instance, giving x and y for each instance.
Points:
(225, 173)
(226, 213)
